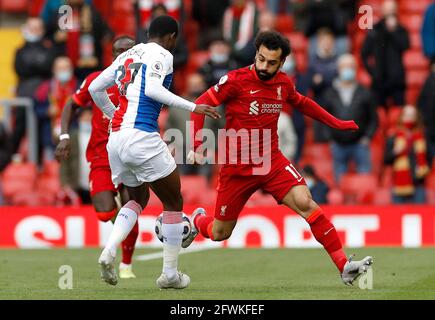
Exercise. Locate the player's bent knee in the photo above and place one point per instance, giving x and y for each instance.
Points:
(304, 202)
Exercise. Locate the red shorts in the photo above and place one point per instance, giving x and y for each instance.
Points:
(100, 179)
(234, 189)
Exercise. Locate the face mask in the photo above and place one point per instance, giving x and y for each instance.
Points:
(64, 76)
(288, 66)
(219, 57)
(347, 74)
(310, 183)
(30, 37)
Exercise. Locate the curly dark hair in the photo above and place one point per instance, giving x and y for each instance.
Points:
(273, 40)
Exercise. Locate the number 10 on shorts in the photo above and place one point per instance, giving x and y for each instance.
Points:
(294, 172)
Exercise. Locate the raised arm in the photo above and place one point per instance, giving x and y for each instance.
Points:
(311, 109)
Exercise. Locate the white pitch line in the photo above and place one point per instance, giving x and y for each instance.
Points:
(159, 255)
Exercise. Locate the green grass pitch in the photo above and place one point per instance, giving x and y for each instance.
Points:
(221, 274)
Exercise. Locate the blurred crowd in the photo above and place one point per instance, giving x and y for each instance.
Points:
(352, 72)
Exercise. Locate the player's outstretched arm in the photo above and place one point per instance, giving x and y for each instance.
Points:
(98, 88)
(311, 109)
(63, 148)
(155, 90)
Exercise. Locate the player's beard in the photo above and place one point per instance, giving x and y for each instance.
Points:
(264, 75)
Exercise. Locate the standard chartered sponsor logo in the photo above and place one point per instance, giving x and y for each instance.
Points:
(253, 109)
(271, 108)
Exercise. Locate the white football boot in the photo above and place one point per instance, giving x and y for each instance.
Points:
(353, 269)
(180, 281)
(126, 271)
(107, 266)
(193, 230)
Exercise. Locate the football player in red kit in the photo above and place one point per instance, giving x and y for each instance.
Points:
(103, 192)
(253, 97)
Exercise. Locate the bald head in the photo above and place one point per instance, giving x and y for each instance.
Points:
(122, 44)
(346, 61)
(266, 21)
(389, 8)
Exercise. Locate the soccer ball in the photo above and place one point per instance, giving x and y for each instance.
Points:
(187, 227)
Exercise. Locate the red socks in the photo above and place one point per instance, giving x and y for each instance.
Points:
(128, 244)
(325, 233)
(205, 225)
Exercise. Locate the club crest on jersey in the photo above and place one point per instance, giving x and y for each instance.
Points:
(223, 208)
(279, 93)
(222, 80)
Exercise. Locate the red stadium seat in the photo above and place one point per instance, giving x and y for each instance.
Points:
(122, 6)
(301, 61)
(382, 196)
(377, 157)
(430, 196)
(412, 23)
(415, 60)
(260, 199)
(18, 178)
(430, 181)
(412, 95)
(196, 60)
(195, 190)
(298, 41)
(359, 188)
(14, 6)
(416, 41)
(364, 77)
(357, 41)
(285, 23)
(413, 7)
(34, 199)
(416, 78)
(35, 7)
(335, 197)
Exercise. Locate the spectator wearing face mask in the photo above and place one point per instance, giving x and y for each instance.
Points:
(318, 188)
(406, 151)
(382, 55)
(219, 64)
(50, 98)
(347, 99)
(321, 73)
(33, 62)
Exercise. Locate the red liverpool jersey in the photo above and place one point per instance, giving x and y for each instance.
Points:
(252, 105)
(96, 151)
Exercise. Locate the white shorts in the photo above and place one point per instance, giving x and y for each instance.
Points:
(136, 156)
